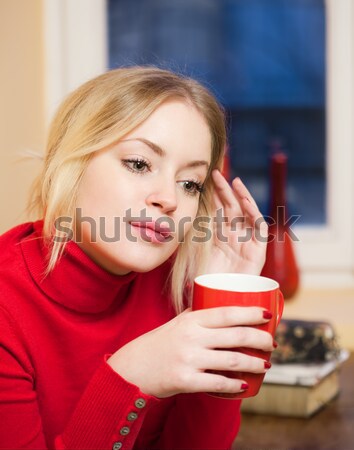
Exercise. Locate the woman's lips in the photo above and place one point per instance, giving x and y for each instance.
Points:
(153, 232)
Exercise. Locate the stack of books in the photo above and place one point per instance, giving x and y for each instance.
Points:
(297, 390)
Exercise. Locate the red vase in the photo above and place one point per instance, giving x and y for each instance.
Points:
(280, 260)
(226, 168)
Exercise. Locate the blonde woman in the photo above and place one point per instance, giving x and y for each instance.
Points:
(99, 348)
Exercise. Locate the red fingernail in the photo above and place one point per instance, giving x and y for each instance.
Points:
(275, 344)
(267, 365)
(244, 386)
(267, 315)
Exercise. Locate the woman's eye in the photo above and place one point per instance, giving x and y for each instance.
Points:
(136, 165)
(192, 187)
(139, 165)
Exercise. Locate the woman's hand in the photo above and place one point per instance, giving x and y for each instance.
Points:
(173, 358)
(240, 235)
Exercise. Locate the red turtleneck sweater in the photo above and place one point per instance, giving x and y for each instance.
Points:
(56, 389)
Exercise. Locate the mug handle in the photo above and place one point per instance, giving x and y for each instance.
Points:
(281, 306)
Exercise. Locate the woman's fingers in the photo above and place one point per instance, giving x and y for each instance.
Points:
(242, 192)
(223, 189)
(251, 212)
(224, 197)
(248, 204)
(230, 316)
(210, 382)
(231, 361)
(233, 337)
(237, 201)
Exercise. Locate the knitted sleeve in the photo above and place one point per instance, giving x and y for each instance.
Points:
(109, 414)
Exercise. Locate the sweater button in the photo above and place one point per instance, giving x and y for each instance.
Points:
(132, 416)
(140, 403)
(124, 431)
(117, 446)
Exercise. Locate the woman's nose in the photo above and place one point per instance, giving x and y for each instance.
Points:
(164, 197)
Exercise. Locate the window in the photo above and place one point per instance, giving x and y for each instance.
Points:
(265, 60)
(326, 242)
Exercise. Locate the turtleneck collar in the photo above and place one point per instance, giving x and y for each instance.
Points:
(76, 281)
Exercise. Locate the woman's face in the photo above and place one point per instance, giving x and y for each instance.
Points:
(139, 197)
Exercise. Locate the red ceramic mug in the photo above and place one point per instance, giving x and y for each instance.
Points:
(232, 289)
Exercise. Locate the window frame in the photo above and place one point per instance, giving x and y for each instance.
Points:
(76, 50)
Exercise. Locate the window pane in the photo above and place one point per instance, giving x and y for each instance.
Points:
(265, 61)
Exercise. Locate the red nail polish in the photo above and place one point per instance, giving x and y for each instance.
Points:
(267, 365)
(244, 386)
(267, 315)
(275, 344)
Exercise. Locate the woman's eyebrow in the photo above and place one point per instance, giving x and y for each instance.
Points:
(160, 152)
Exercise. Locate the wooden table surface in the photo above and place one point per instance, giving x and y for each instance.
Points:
(332, 428)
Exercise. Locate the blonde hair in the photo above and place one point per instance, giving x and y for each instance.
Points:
(100, 113)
